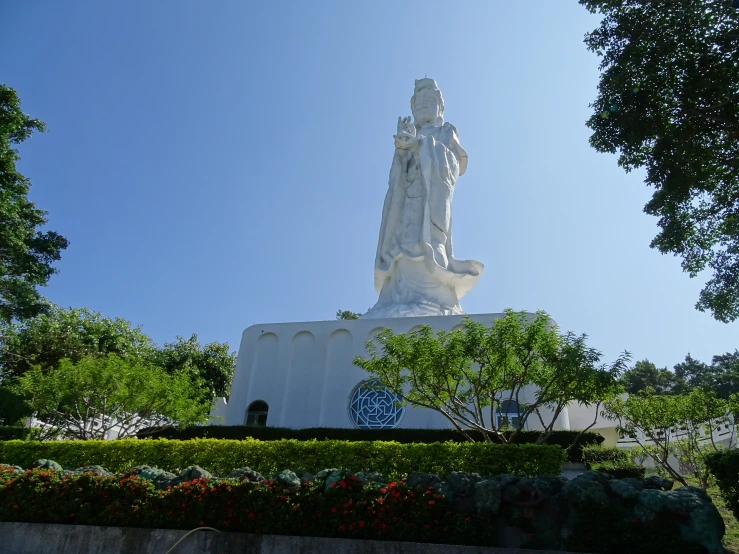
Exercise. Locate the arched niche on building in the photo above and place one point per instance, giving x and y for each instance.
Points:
(256, 414)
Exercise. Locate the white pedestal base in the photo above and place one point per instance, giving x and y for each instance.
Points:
(304, 371)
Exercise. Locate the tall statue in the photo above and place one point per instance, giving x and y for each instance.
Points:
(416, 273)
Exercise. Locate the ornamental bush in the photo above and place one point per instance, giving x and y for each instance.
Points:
(392, 459)
(240, 432)
(597, 454)
(611, 460)
(724, 466)
(620, 470)
(591, 513)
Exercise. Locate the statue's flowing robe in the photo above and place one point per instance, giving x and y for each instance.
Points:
(427, 180)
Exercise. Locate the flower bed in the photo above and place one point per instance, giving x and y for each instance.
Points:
(591, 513)
(392, 459)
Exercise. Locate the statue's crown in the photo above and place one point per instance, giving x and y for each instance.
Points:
(425, 83)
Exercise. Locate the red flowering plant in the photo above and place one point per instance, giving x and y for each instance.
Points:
(49, 496)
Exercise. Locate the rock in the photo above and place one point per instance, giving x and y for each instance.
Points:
(246, 475)
(657, 482)
(165, 479)
(371, 477)
(330, 476)
(287, 478)
(626, 488)
(46, 464)
(700, 523)
(488, 495)
(304, 476)
(194, 472)
(424, 480)
(97, 470)
(584, 491)
(13, 469)
(148, 473)
(458, 483)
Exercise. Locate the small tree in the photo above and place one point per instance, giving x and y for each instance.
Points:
(672, 425)
(85, 400)
(347, 314)
(470, 374)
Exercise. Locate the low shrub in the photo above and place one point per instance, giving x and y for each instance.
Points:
(620, 470)
(611, 460)
(9, 433)
(404, 436)
(392, 459)
(591, 513)
(596, 454)
(724, 466)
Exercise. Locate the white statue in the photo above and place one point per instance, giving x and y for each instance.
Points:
(415, 270)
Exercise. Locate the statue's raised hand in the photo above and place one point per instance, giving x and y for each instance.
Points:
(406, 138)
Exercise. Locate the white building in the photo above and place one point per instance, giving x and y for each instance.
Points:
(301, 375)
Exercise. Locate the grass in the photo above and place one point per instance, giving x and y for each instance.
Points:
(731, 538)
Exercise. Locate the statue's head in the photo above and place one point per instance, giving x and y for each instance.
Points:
(427, 104)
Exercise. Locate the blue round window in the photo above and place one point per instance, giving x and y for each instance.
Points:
(373, 406)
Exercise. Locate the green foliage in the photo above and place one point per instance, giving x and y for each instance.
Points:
(721, 376)
(11, 433)
(220, 457)
(645, 375)
(84, 400)
(592, 513)
(12, 407)
(620, 470)
(604, 454)
(668, 101)
(72, 334)
(673, 424)
(724, 466)
(346, 314)
(213, 364)
(26, 253)
(239, 432)
(469, 374)
(611, 460)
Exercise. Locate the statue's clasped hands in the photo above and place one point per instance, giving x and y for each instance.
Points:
(406, 138)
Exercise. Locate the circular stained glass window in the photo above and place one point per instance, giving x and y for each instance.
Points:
(373, 406)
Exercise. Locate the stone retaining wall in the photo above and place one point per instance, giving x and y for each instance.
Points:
(32, 538)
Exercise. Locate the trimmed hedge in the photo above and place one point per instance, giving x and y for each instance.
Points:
(11, 433)
(724, 466)
(605, 454)
(405, 436)
(611, 460)
(619, 470)
(391, 459)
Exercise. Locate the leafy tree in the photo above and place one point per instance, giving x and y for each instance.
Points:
(668, 101)
(726, 367)
(213, 364)
(679, 425)
(62, 333)
(693, 373)
(346, 314)
(26, 253)
(645, 375)
(469, 375)
(88, 398)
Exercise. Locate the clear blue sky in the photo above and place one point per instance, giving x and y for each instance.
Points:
(220, 164)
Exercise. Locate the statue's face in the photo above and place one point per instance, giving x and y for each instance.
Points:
(426, 107)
